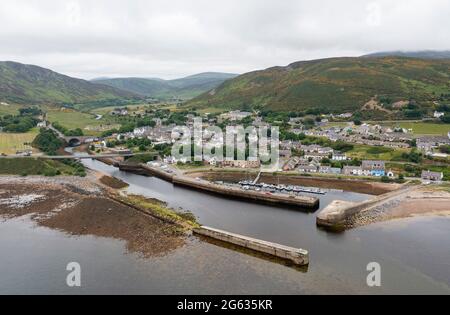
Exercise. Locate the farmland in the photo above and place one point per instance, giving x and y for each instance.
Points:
(73, 119)
(10, 143)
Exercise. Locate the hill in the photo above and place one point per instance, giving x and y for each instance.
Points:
(184, 88)
(423, 54)
(28, 84)
(336, 85)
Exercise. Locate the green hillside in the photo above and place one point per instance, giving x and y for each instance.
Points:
(27, 84)
(336, 85)
(184, 88)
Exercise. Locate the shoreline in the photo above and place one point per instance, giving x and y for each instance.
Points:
(83, 206)
(410, 201)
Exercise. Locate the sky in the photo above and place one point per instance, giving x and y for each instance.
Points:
(175, 38)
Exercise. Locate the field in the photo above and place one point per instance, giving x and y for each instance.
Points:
(10, 143)
(84, 121)
(364, 152)
(420, 128)
(9, 109)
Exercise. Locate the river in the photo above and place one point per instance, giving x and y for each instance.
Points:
(414, 254)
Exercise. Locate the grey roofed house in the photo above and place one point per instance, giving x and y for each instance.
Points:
(308, 169)
(433, 176)
(352, 170)
(373, 165)
(329, 170)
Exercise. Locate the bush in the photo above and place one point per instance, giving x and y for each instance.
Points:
(50, 172)
(379, 150)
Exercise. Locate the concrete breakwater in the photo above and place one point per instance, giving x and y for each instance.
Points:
(303, 202)
(338, 212)
(296, 255)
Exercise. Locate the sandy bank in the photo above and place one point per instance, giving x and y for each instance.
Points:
(423, 201)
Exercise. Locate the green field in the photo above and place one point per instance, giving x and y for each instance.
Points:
(84, 121)
(10, 143)
(420, 128)
(9, 109)
(365, 152)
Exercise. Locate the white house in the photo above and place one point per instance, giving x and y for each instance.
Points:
(337, 156)
(438, 114)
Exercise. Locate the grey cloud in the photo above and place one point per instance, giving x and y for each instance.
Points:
(170, 38)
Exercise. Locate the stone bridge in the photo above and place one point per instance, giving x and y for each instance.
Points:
(76, 141)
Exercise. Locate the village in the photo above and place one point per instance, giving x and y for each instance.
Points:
(296, 156)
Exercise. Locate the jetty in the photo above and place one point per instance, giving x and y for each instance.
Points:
(297, 256)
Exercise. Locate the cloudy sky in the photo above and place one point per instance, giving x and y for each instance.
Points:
(173, 38)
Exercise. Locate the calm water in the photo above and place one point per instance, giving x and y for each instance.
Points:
(414, 254)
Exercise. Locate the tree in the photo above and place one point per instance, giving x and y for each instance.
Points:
(446, 118)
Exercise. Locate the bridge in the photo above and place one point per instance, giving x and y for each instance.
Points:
(73, 141)
(76, 157)
(76, 141)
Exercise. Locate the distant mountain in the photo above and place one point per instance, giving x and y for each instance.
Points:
(185, 88)
(424, 54)
(28, 84)
(336, 84)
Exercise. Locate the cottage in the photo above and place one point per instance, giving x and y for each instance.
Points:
(337, 156)
(316, 156)
(352, 171)
(432, 176)
(307, 169)
(291, 164)
(242, 164)
(286, 153)
(329, 170)
(374, 168)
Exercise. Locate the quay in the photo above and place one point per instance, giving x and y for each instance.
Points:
(297, 256)
(306, 203)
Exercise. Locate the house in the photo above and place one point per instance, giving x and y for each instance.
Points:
(291, 164)
(316, 156)
(352, 171)
(432, 176)
(337, 156)
(325, 150)
(438, 114)
(42, 124)
(142, 131)
(286, 153)
(119, 112)
(235, 115)
(329, 170)
(374, 168)
(241, 164)
(307, 169)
